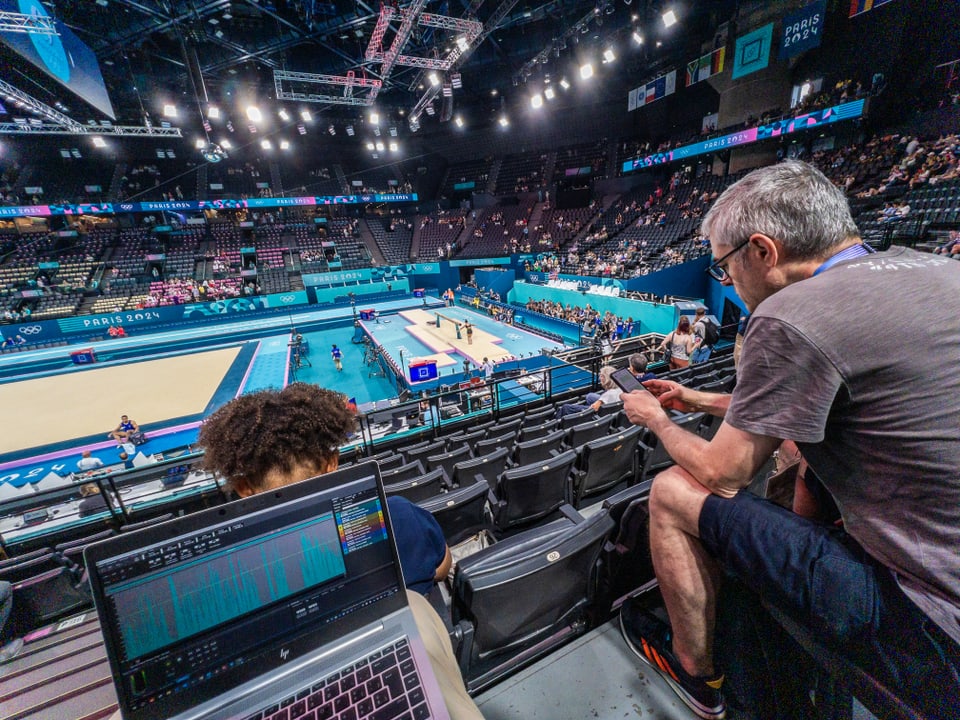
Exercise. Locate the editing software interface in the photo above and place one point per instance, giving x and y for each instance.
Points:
(205, 611)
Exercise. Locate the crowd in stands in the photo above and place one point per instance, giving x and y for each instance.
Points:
(177, 291)
(593, 321)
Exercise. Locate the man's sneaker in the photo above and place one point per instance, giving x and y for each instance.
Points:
(651, 639)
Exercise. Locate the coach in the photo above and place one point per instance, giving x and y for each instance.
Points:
(872, 399)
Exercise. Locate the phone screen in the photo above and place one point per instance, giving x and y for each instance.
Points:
(626, 380)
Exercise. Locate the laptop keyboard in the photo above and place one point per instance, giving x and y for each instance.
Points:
(383, 686)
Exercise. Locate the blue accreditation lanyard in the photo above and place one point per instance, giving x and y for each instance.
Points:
(849, 253)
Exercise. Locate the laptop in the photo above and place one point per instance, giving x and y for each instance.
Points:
(286, 604)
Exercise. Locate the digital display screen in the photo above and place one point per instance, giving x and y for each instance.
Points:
(64, 56)
(421, 372)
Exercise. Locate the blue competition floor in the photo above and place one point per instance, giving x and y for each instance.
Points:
(264, 365)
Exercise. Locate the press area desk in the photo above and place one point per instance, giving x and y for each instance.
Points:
(52, 516)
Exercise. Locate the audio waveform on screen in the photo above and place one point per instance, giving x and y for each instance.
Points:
(226, 585)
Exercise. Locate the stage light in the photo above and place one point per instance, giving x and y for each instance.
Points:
(458, 121)
(586, 71)
(504, 121)
(379, 146)
(609, 56)
(200, 143)
(266, 144)
(213, 112)
(549, 93)
(306, 116)
(284, 145)
(99, 142)
(371, 146)
(332, 130)
(637, 38)
(374, 118)
(462, 43)
(564, 84)
(253, 113)
(301, 128)
(536, 100)
(669, 18)
(350, 130)
(226, 144)
(434, 80)
(169, 110)
(394, 147)
(284, 115)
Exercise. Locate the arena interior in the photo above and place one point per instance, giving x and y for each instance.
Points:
(453, 213)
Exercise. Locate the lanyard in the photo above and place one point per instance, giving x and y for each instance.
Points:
(849, 253)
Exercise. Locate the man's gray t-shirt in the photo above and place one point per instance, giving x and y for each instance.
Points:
(859, 366)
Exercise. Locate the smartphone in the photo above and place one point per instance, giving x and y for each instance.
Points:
(626, 380)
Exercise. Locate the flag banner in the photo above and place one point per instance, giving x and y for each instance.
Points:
(861, 6)
(653, 90)
(803, 29)
(670, 83)
(632, 100)
(753, 51)
(705, 66)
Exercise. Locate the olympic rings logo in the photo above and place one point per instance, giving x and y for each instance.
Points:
(30, 330)
(286, 299)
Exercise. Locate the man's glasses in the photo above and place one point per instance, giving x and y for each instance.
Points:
(716, 269)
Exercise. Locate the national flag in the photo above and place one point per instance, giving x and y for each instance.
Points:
(705, 66)
(861, 6)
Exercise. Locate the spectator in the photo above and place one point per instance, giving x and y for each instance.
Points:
(611, 394)
(680, 343)
(883, 444)
(87, 462)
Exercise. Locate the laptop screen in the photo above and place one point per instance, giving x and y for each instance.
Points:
(201, 611)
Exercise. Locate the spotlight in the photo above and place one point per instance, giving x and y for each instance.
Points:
(374, 118)
(379, 146)
(564, 84)
(458, 121)
(169, 110)
(371, 146)
(549, 93)
(434, 80)
(637, 38)
(504, 121)
(394, 147)
(462, 43)
(266, 144)
(306, 116)
(536, 100)
(609, 56)
(226, 144)
(99, 142)
(200, 143)
(253, 113)
(669, 18)
(284, 145)
(284, 115)
(213, 112)
(586, 71)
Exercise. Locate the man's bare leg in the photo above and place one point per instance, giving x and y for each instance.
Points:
(688, 576)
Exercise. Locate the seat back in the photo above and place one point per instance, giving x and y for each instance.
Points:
(460, 512)
(576, 418)
(418, 488)
(490, 444)
(390, 460)
(486, 467)
(590, 430)
(605, 463)
(539, 449)
(421, 453)
(532, 432)
(658, 457)
(469, 438)
(407, 471)
(532, 589)
(19, 571)
(46, 597)
(540, 416)
(509, 426)
(446, 461)
(625, 562)
(526, 494)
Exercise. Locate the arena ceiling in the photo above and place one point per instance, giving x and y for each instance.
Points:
(146, 49)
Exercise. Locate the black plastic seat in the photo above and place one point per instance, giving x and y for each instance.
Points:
(43, 598)
(419, 488)
(658, 458)
(488, 445)
(540, 416)
(460, 512)
(532, 432)
(539, 449)
(520, 598)
(604, 463)
(19, 571)
(486, 467)
(625, 562)
(445, 461)
(590, 430)
(576, 418)
(526, 494)
(390, 461)
(420, 453)
(407, 471)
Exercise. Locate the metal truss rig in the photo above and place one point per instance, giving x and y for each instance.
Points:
(118, 130)
(345, 85)
(33, 24)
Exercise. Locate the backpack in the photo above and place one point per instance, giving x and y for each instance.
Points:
(710, 333)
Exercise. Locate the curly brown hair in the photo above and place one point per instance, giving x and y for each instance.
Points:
(275, 430)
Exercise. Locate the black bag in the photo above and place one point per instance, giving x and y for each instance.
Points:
(137, 438)
(711, 334)
(668, 350)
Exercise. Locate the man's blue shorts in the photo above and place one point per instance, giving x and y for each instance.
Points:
(825, 581)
